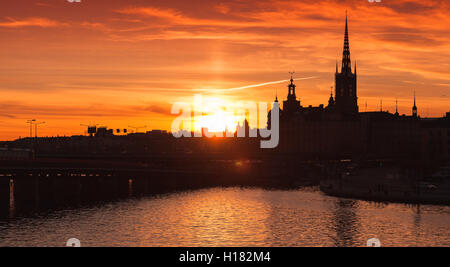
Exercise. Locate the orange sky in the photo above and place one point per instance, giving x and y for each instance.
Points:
(121, 63)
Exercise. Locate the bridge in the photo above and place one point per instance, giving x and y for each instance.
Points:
(51, 183)
(38, 188)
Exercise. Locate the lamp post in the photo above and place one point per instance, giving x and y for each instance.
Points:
(31, 122)
(35, 128)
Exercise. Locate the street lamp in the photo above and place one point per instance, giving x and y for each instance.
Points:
(31, 122)
(35, 127)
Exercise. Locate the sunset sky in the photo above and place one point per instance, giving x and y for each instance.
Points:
(120, 63)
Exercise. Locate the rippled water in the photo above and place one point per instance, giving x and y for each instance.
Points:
(235, 217)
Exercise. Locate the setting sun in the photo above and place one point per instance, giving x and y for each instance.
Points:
(218, 116)
(218, 122)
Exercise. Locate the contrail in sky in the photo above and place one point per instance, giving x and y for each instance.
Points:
(251, 86)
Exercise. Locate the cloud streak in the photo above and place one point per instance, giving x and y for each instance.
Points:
(31, 22)
(250, 86)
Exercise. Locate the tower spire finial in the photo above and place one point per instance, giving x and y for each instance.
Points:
(346, 62)
(346, 20)
(292, 75)
(396, 106)
(414, 107)
(331, 101)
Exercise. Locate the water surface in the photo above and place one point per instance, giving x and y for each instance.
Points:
(235, 217)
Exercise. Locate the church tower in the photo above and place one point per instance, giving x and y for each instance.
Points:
(291, 105)
(414, 109)
(346, 97)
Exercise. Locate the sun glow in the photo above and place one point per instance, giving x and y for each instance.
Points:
(218, 115)
(218, 122)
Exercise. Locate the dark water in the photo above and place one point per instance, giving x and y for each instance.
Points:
(235, 217)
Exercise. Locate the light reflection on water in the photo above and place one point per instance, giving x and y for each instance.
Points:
(235, 217)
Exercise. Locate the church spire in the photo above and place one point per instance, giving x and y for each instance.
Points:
(346, 62)
(414, 110)
(291, 86)
(331, 99)
(346, 94)
(396, 107)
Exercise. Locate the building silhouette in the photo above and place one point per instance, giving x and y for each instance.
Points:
(345, 81)
(339, 130)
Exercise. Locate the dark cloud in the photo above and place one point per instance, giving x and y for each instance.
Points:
(93, 110)
(158, 108)
(7, 116)
(413, 7)
(409, 39)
